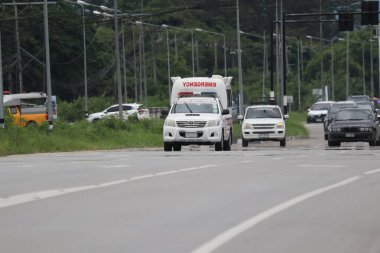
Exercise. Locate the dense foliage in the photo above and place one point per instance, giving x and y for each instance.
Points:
(149, 85)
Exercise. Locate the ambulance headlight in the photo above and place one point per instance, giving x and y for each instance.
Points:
(213, 123)
(170, 123)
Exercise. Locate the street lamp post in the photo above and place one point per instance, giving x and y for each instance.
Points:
(224, 46)
(82, 4)
(192, 43)
(168, 57)
(347, 63)
(167, 47)
(1, 89)
(264, 57)
(371, 61)
(332, 65)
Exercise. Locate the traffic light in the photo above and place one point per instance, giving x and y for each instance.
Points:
(346, 21)
(370, 18)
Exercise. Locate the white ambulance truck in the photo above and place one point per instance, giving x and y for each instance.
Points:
(199, 113)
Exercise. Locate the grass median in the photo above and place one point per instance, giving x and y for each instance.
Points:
(104, 135)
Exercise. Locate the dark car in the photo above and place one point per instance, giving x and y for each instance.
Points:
(353, 125)
(334, 108)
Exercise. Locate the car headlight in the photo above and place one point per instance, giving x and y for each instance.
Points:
(280, 125)
(335, 129)
(213, 123)
(247, 126)
(365, 129)
(170, 123)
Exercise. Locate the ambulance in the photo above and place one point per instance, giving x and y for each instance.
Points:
(199, 113)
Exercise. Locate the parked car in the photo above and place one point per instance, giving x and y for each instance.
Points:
(263, 122)
(353, 125)
(334, 108)
(318, 111)
(113, 111)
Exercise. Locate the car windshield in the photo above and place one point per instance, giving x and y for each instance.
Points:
(353, 115)
(322, 106)
(257, 113)
(191, 107)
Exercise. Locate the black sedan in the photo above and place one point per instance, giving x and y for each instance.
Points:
(353, 125)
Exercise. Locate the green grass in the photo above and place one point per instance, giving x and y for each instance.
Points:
(295, 125)
(110, 134)
(104, 135)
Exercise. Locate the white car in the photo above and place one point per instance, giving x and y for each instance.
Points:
(318, 111)
(113, 111)
(263, 123)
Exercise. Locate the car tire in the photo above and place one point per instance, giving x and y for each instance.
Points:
(168, 146)
(227, 144)
(326, 137)
(219, 145)
(177, 147)
(334, 143)
(283, 143)
(372, 143)
(244, 143)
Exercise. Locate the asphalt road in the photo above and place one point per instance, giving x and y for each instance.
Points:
(304, 198)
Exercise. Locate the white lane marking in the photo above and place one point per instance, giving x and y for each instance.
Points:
(34, 196)
(372, 172)
(247, 161)
(189, 169)
(230, 234)
(141, 177)
(207, 166)
(166, 173)
(116, 166)
(27, 166)
(322, 166)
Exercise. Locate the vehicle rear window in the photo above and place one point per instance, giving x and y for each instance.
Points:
(353, 115)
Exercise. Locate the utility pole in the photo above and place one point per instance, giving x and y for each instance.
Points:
(48, 74)
(117, 55)
(2, 125)
(19, 60)
(241, 101)
(321, 49)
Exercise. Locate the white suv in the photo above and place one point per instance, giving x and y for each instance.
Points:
(113, 111)
(265, 123)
